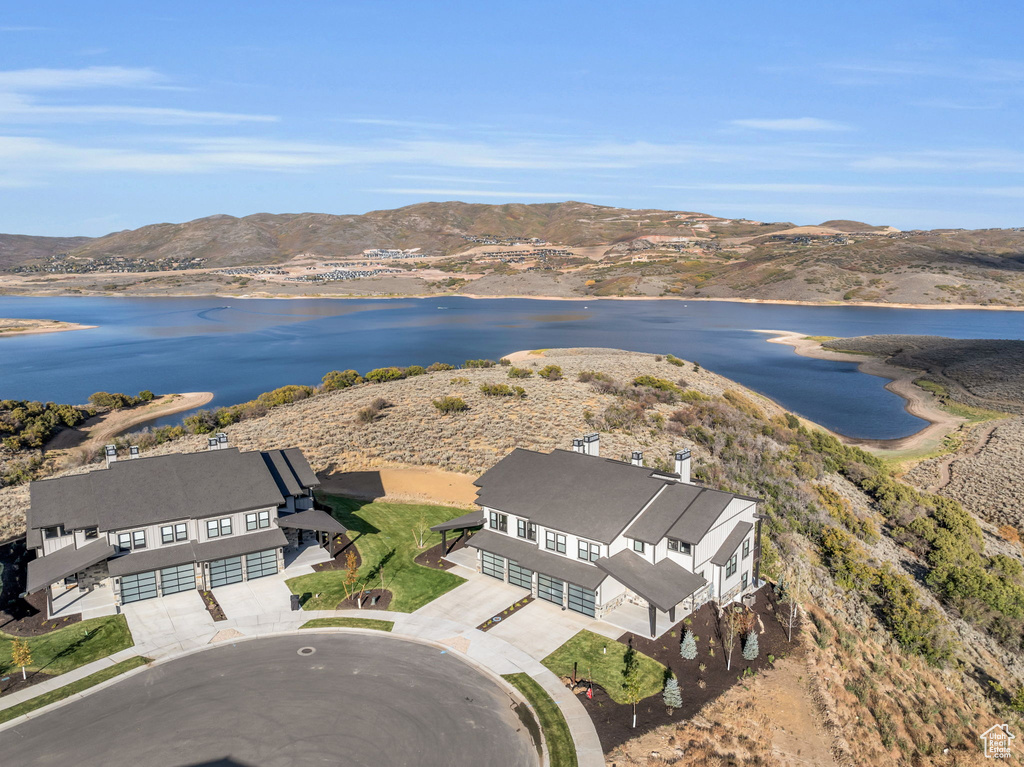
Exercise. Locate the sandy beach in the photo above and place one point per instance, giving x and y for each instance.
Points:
(13, 327)
(901, 382)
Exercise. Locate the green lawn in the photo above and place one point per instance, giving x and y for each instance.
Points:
(561, 748)
(604, 668)
(385, 534)
(71, 647)
(349, 623)
(74, 688)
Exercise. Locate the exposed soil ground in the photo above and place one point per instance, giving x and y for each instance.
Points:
(505, 614)
(213, 606)
(23, 617)
(432, 557)
(614, 721)
(447, 488)
(340, 560)
(382, 596)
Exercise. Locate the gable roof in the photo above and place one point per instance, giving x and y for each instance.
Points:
(664, 584)
(163, 488)
(664, 512)
(700, 515)
(731, 543)
(591, 496)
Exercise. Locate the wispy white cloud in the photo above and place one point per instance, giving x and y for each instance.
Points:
(445, 179)
(791, 124)
(387, 123)
(22, 80)
(975, 70)
(15, 108)
(971, 160)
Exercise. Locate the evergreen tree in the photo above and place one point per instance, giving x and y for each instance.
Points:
(750, 647)
(671, 695)
(688, 649)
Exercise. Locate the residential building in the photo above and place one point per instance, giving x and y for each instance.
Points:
(150, 527)
(593, 534)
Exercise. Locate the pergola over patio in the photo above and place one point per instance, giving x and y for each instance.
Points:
(664, 585)
(316, 520)
(466, 521)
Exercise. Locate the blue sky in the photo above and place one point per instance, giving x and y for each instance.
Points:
(115, 115)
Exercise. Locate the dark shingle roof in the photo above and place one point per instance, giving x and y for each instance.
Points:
(664, 512)
(594, 497)
(303, 471)
(312, 519)
(152, 559)
(193, 551)
(528, 555)
(699, 516)
(152, 490)
(64, 562)
(473, 519)
(664, 584)
(290, 470)
(731, 543)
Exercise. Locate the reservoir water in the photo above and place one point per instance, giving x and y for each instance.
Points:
(239, 348)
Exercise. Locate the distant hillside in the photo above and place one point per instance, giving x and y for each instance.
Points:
(601, 251)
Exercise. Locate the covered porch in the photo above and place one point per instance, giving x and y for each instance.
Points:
(461, 524)
(49, 571)
(328, 531)
(664, 586)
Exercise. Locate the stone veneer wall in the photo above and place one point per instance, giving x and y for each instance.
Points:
(92, 575)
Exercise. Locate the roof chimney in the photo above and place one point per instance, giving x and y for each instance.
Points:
(133, 451)
(683, 465)
(638, 458)
(592, 443)
(577, 445)
(110, 452)
(212, 444)
(222, 439)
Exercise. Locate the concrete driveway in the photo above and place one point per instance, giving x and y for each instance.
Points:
(540, 628)
(476, 600)
(157, 621)
(314, 699)
(256, 597)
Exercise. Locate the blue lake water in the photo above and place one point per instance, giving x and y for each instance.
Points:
(240, 348)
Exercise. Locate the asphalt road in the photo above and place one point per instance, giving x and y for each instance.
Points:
(357, 700)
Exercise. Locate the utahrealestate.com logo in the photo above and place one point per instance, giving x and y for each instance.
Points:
(997, 741)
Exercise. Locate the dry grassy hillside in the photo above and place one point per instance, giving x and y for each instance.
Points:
(893, 672)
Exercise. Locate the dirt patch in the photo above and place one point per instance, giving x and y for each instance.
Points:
(213, 606)
(614, 720)
(340, 560)
(404, 484)
(373, 599)
(432, 557)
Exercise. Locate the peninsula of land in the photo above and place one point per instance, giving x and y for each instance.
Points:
(19, 327)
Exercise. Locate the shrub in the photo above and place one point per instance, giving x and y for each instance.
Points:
(585, 376)
(145, 395)
(341, 379)
(478, 364)
(671, 695)
(451, 405)
(381, 375)
(750, 647)
(519, 373)
(502, 390)
(550, 372)
(688, 648)
(674, 360)
(415, 370)
(504, 362)
(657, 383)
(437, 366)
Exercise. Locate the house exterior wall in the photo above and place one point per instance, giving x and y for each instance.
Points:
(51, 545)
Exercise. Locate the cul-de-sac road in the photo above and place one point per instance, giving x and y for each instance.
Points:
(356, 700)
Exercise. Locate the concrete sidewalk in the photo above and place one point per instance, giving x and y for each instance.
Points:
(490, 653)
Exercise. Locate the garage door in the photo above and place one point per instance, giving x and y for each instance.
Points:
(261, 564)
(549, 588)
(135, 588)
(175, 579)
(225, 571)
(519, 576)
(582, 600)
(492, 565)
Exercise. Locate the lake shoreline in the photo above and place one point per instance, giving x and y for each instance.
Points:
(918, 402)
(37, 327)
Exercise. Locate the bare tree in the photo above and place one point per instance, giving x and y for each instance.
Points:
(792, 594)
(730, 630)
(420, 531)
(351, 573)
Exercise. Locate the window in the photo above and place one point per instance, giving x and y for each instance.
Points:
(589, 552)
(638, 546)
(251, 522)
(54, 532)
(124, 541)
(91, 533)
(181, 532)
(526, 529)
(212, 528)
(730, 567)
(257, 520)
(499, 522)
(225, 526)
(167, 534)
(139, 539)
(554, 542)
(674, 545)
(743, 581)
(746, 548)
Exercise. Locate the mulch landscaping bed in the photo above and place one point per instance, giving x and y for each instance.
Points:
(23, 617)
(508, 612)
(340, 561)
(213, 606)
(11, 681)
(383, 600)
(612, 720)
(432, 557)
